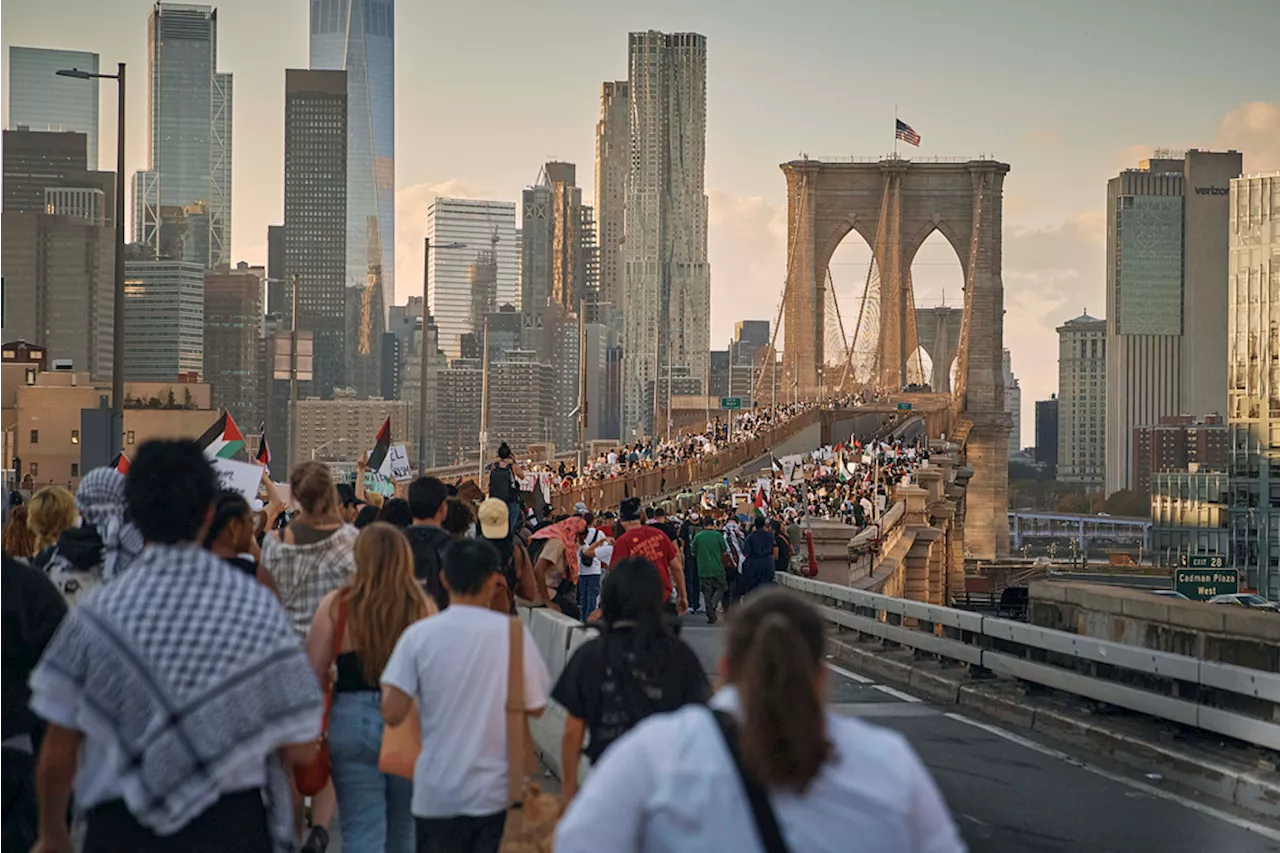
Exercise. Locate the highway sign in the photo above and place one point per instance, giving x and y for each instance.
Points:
(731, 403)
(904, 407)
(1206, 561)
(1204, 584)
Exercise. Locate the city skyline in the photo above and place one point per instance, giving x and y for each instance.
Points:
(1064, 133)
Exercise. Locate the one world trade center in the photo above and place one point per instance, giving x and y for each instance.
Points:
(358, 36)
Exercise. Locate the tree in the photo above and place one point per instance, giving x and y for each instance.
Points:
(1127, 502)
(188, 402)
(171, 402)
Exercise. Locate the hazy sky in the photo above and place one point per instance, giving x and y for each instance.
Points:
(1066, 92)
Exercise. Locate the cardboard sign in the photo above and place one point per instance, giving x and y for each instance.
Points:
(238, 477)
(378, 484)
(396, 465)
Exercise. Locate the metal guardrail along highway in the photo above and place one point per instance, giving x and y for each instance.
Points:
(1173, 687)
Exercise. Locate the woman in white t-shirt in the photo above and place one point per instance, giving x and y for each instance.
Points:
(590, 565)
(823, 778)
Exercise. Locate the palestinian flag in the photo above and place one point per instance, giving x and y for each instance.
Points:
(775, 464)
(222, 440)
(382, 444)
(264, 452)
(758, 502)
(121, 463)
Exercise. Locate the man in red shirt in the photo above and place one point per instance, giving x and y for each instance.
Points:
(650, 542)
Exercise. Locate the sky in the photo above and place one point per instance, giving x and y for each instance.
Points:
(487, 90)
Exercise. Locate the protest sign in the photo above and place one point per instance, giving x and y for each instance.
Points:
(238, 477)
(378, 484)
(396, 465)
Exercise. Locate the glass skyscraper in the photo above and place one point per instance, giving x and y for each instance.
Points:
(182, 201)
(487, 263)
(358, 36)
(40, 100)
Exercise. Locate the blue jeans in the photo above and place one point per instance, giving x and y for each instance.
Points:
(373, 808)
(588, 594)
(514, 517)
(692, 584)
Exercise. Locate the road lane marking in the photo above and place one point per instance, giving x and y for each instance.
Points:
(853, 676)
(862, 679)
(897, 694)
(1159, 793)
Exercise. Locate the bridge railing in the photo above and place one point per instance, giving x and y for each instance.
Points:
(1235, 701)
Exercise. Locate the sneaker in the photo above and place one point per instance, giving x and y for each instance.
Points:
(317, 840)
(711, 619)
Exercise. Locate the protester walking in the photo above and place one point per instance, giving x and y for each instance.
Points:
(711, 557)
(310, 559)
(50, 511)
(825, 780)
(689, 528)
(103, 545)
(735, 543)
(18, 540)
(179, 630)
(650, 542)
(231, 537)
(32, 611)
(635, 668)
(590, 567)
(515, 577)
(355, 629)
(555, 566)
(455, 665)
(504, 482)
(759, 553)
(428, 503)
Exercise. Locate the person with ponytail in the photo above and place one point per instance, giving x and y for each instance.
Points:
(635, 668)
(766, 767)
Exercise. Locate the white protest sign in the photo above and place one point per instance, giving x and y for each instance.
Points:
(238, 477)
(378, 484)
(396, 464)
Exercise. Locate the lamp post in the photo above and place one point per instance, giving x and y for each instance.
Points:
(426, 356)
(117, 322)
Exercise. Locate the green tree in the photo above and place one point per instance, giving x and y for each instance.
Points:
(1127, 502)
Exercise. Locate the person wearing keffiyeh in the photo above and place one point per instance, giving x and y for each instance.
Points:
(103, 545)
(175, 694)
(556, 570)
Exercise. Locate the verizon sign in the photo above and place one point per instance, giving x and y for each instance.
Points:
(1212, 191)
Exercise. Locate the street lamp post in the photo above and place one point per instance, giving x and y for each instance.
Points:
(117, 323)
(426, 356)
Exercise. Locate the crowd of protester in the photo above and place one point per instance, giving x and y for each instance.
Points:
(188, 669)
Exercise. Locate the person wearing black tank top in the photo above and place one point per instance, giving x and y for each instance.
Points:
(361, 621)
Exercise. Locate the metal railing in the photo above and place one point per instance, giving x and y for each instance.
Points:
(1235, 701)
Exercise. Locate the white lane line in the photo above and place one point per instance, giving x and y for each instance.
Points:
(897, 694)
(853, 676)
(1150, 790)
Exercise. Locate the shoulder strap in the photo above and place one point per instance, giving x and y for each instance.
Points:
(761, 810)
(515, 710)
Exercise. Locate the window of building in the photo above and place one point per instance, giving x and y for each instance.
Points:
(129, 437)
(35, 436)
(35, 469)
(75, 469)
(75, 438)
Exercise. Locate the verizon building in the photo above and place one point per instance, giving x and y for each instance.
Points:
(1167, 250)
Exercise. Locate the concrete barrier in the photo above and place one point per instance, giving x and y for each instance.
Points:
(556, 637)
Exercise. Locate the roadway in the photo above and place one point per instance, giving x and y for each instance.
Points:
(1010, 793)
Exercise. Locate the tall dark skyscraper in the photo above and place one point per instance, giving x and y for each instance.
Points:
(315, 215)
(182, 201)
(275, 270)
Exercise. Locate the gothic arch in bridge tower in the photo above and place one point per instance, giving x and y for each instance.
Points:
(895, 205)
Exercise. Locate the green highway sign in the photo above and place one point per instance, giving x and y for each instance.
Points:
(1206, 561)
(1204, 584)
(904, 407)
(731, 402)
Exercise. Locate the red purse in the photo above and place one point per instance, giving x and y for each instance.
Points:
(310, 778)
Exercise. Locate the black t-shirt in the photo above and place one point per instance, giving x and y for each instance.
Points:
(612, 688)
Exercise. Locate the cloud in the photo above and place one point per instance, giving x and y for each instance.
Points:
(411, 227)
(1048, 138)
(747, 245)
(1253, 129)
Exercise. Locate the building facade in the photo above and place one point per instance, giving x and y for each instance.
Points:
(557, 241)
(232, 328)
(315, 215)
(667, 278)
(40, 100)
(1253, 380)
(182, 200)
(1012, 405)
(522, 400)
(487, 228)
(1047, 433)
(613, 162)
(1166, 273)
(458, 411)
(358, 37)
(1178, 443)
(1082, 401)
(1188, 516)
(163, 320)
(343, 428)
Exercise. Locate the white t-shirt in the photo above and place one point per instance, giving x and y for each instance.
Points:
(586, 565)
(455, 665)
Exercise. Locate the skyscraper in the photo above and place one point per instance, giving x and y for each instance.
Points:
(485, 227)
(613, 161)
(667, 292)
(1253, 380)
(182, 200)
(1166, 316)
(232, 328)
(163, 320)
(40, 100)
(358, 37)
(1082, 401)
(1047, 434)
(558, 251)
(315, 215)
(1012, 404)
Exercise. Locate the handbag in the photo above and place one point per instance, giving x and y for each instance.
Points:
(401, 745)
(310, 778)
(532, 816)
(727, 561)
(762, 813)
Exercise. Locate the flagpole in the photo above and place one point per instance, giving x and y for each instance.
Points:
(895, 130)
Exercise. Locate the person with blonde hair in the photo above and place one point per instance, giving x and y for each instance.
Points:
(309, 559)
(51, 511)
(103, 545)
(361, 621)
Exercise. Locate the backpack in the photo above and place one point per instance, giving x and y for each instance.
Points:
(502, 483)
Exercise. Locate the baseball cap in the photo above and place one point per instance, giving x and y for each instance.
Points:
(579, 508)
(493, 518)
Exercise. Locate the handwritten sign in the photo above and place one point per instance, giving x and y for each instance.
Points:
(378, 484)
(238, 477)
(396, 465)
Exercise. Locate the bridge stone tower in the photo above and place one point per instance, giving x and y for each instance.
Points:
(939, 330)
(894, 204)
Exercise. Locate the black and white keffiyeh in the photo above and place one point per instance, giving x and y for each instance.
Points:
(100, 499)
(191, 673)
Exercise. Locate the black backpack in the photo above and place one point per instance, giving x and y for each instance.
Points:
(502, 483)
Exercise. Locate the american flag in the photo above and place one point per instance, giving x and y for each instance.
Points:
(905, 132)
